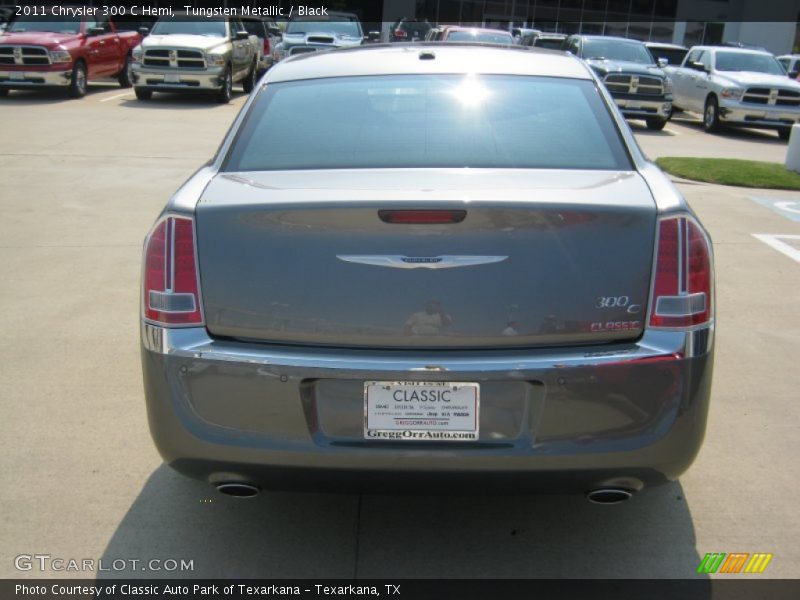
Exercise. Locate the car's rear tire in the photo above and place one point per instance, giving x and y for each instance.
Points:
(143, 93)
(784, 133)
(125, 76)
(656, 123)
(252, 77)
(711, 115)
(78, 82)
(225, 92)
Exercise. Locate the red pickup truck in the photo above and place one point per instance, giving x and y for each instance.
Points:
(64, 52)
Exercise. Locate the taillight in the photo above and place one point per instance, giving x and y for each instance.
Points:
(683, 286)
(399, 33)
(171, 287)
(422, 217)
(266, 47)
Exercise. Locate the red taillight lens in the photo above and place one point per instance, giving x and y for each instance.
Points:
(266, 47)
(399, 33)
(429, 217)
(171, 290)
(683, 281)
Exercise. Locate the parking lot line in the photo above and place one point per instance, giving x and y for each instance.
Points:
(122, 95)
(775, 242)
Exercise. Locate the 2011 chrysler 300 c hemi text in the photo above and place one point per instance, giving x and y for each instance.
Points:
(423, 264)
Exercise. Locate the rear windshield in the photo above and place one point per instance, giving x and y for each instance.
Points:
(487, 37)
(551, 43)
(429, 121)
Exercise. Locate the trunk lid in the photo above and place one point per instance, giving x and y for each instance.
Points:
(544, 258)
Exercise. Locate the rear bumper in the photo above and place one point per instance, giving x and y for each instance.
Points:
(572, 419)
(187, 80)
(766, 117)
(19, 80)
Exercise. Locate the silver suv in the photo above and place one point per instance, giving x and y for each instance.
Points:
(737, 86)
(186, 54)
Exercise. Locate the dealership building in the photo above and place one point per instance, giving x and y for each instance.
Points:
(772, 24)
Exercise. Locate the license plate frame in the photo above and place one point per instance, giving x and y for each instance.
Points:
(172, 78)
(16, 75)
(439, 411)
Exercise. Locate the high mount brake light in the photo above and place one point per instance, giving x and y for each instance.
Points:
(425, 217)
(683, 286)
(171, 286)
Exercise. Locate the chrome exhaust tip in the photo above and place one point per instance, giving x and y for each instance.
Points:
(609, 496)
(238, 490)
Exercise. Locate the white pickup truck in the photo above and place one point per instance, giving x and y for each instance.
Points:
(737, 86)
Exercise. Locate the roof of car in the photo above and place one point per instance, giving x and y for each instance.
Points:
(429, 57)
(732, 49)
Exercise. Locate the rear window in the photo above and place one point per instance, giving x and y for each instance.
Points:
(429, 121)
(549, 43)
(486, 37)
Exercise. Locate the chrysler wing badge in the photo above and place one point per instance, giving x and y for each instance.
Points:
(419, 262)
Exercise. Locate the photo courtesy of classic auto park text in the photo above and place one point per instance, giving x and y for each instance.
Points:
(392, 290)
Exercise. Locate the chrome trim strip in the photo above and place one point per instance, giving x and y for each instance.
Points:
(195, 343)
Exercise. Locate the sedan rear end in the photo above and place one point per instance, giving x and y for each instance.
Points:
(419, 268)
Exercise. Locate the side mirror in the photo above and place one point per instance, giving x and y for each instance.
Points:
(275, 31)
(241, 35)
(662, 62)
(793, 74)
(95, 31)
(698, 66)
(143, 31)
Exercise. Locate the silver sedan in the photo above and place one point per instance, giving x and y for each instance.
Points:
(428, 266)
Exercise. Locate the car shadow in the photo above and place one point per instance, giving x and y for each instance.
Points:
(31, 97)
(178, 101)
(294, 535)
(763, 136)
(640, 128)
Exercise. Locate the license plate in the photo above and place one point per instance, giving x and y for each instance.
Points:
(17, 75)
(421, 411)
(634, 105)
(174, 78)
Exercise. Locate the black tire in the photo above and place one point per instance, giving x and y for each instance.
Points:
(252, 78)
(78, 83)
(656, 123)
(711, 115)
(125, 77)
(784, 133)
(143, 93)
(225, 92)
(3, 92)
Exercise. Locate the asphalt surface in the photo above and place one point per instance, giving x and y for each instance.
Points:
(83, 180)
